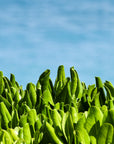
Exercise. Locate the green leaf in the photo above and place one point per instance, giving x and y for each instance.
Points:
(50, 135)
(56, 118)
(67, 127)
(38, 137)
(109, 95)
(82, 135)
(105, 135)
(81, 120)
(73, 81)
(95, 98)
(9, 96)
(20, 141)
(110, 104)
(26, 108)
(38, 124)
(81, 132)
(94, 115)
(15, 119)
(6, 102)
(27, 99)
(104, 110)
(1, 83)
(74, 114)
(13, 91)
(60, 77)
(16, 97)
(79, 89)
(32, 116)
(32, 93)
(99, 85)
(26, 133)
(7, 83)
(110, 117)
(93, 140)
(95, 129)
(47, 97)
(89, 91)
(6, 138)
(13, 134)
(12, 79)
(5, 116)
(44, 80)
(23, 120)
(110, 87)
(63, 94)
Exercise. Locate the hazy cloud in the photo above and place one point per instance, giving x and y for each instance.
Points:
(38, 35)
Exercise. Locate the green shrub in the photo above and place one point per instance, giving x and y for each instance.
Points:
(66, 112)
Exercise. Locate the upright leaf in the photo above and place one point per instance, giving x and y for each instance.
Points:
(44, 81)
(32, 93)
(94, 115)
(82, 135)
(73, 81)
(15, 119)
(12, 79)
(67, 127)
(1, 83)
(5, 116)
(60, 76)
(56, 118)
(110, 87)
(50, 135)
(26, 133)
(99, 85)
(105, 135)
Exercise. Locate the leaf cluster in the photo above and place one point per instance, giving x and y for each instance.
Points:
(66, 112)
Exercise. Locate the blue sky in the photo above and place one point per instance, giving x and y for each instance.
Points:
(37, 35)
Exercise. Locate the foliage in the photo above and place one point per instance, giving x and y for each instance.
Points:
(66, 112)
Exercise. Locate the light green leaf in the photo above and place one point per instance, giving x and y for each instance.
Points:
(56, 118)
(82, 135)
(104, 110)
(105, 135)
(74, 114)
(67, 127)
(6, 102)
(32, 116)
(110, 117)
(93, 140)
(32, 93)
(15, 119)
(5, 116)
(23, 120)
(94, 115)
(60, 77)
(13, 134)
(79, 89)
(26, 133)
(6, 138)
(1, 82)
(73, 81)
(47, 97)
(51, 135)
